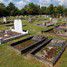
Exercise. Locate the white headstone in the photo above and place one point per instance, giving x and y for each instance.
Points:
(4, 19)
(18, 27)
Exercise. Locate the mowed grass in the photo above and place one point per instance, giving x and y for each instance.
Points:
(32, 28)
(10, 58)
(3, 27)
(62, 62)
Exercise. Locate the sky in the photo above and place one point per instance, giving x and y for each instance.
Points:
(22, 3)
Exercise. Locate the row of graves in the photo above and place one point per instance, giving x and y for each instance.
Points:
(48, 23)
(60, 30)
(41, 48)
(8, 21)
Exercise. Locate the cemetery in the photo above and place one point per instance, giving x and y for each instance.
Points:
(33, 33)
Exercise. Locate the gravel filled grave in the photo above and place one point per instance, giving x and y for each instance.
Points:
(60, 30)
(51, 52)
(28, 44)
(6, 35)
(24, 44)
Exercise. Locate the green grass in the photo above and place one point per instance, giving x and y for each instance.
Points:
(3, 27)
(33, 29)
(63, 60)
(10, 58)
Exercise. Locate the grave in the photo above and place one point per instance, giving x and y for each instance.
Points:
(54, 20)
(26, 45)
(7, 35)
(61, 30)
(51, 52)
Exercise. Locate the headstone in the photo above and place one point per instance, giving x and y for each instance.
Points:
(50, 18)
(4, 19)
(54, 20)
(18, 27)
(30, 20)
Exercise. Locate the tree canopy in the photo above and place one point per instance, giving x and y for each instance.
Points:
(32, 9)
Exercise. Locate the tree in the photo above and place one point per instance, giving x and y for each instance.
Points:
(11, 9)
(32, 9)
(65, 11)
(3, 11)
(51, 9)
(60, 9)
(43, 10)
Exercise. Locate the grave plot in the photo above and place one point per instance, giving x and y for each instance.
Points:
(27, 44)
(49, 24)
(51, 52)
(60, 30)
(41, 24)
(24, 44)
(7, 35)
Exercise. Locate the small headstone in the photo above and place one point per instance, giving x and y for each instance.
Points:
(4, 19)
(54, 20)
(30, 20)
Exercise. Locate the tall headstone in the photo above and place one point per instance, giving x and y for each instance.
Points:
(18, 27)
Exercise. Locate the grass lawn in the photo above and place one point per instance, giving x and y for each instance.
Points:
(10, 58)
(63, 60)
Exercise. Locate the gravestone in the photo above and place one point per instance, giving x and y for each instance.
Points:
(18, 26)
(4, 19)
(54, 20)
(30, 20)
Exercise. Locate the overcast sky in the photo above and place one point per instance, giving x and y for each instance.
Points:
(22, 3)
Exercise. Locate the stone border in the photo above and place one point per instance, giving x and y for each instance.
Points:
(28, 48)
(10, 38)
(40, 46)
(59, 54)
(20, 41)
(32, 46)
